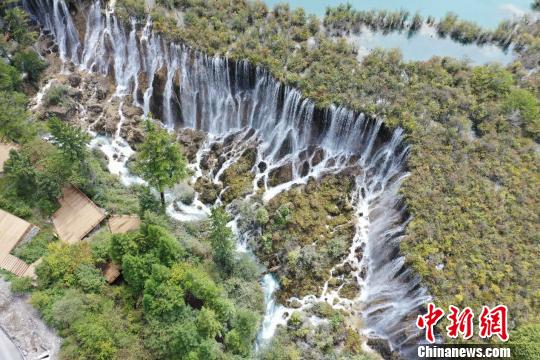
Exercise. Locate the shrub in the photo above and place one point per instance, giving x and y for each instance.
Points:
(89, 278)
(16, 207)
(261, 216)
(21, 285)
(56, 95)
(32, 250)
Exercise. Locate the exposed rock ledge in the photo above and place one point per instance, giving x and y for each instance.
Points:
(21, 322)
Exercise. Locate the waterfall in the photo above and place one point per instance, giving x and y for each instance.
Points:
(54, 18)
(187, 88)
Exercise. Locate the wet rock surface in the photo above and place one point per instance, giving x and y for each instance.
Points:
(191, 140)
(24, 327)
(310, 230)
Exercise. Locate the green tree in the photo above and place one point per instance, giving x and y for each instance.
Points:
(524, 104)
(221, 238)
(17, 23)
(61, 262)
(163, 300)
(89, 278)
(21, 172)
(14, 125)
(148, 202)
(208, 324)
(138, 252)
(245, 325)
(490, 82)
(28, 61)
(69, 139)
(54, 174)
(10, 78)
(160, 160)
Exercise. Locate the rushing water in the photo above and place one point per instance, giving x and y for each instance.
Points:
(186, 88)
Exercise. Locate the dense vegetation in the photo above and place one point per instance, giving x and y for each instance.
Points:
(183, 292)
(173, 303)
(473, 131)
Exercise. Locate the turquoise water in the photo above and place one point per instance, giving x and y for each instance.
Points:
(426, 44)
(487, 13)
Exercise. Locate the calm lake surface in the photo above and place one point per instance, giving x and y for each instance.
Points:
(426, 44)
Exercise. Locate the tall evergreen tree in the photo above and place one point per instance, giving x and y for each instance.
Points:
(160, 160)
(221, 239)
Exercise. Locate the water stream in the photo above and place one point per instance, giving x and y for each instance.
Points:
(186, 88)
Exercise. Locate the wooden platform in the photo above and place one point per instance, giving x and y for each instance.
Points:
(12, 230)
(14, 265)
(120, 224)
(111, 272)
(77, 215)
(4, 154)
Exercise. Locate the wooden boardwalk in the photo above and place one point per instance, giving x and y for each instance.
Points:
(12, 230)
(14, 265)
(120, 224)
(77, 215)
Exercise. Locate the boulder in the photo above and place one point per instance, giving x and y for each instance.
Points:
(131, 111)
(280, 175)
(208, 191)
(295, 304)
(191, 140)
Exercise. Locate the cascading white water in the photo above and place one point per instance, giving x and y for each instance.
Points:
(217, 95)
(54, 17)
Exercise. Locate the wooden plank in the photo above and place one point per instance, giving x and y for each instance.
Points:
(120, 224)
(111, 272)
(12, 230)
(14, 265)
(77, 215)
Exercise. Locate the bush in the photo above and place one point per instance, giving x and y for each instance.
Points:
(56, 95)
(16, 207)
(261, 216)
(32, 250)
(21, 285)
(89, 278)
